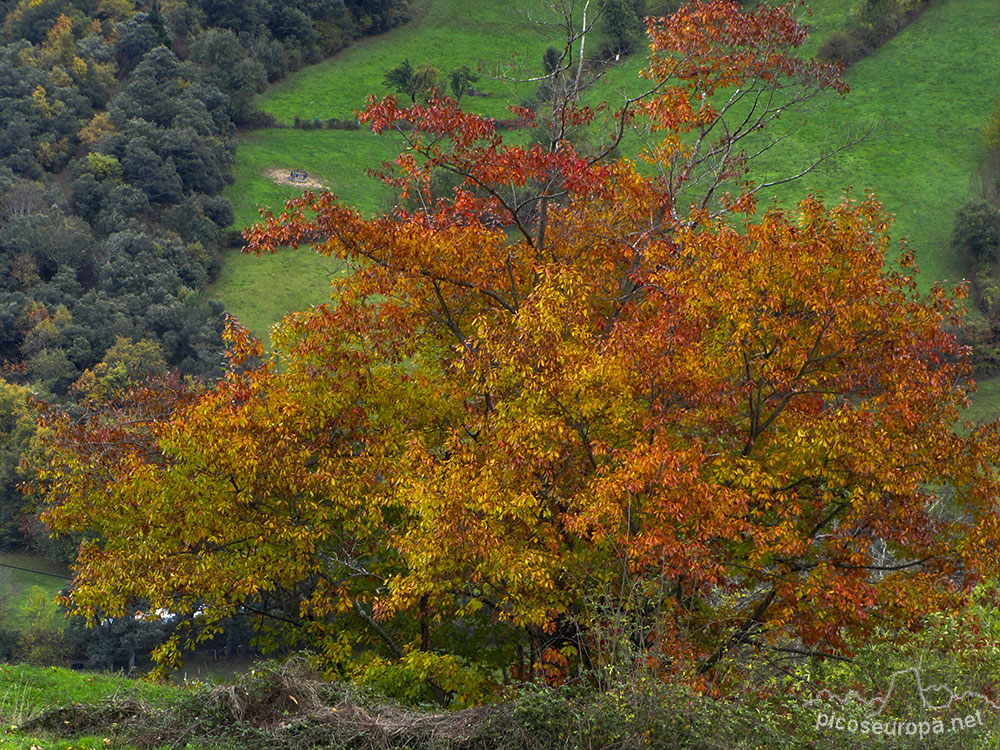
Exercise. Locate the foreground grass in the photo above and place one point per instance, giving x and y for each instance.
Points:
(27, 692)
(288, 707)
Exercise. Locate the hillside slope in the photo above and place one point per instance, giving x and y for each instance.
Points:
(926, 92)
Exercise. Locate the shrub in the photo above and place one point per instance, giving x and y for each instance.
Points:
(839, 47)
(976, 234)
(409, 679)
(874, 21)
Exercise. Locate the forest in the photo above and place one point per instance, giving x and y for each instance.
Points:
(590, 420)
(118, 137)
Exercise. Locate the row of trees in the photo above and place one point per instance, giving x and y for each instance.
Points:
(868, 26)
(424, 79)
(573, 405)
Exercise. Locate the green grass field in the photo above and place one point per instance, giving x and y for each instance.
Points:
(16, 582)
(926, 92)
(26, 691)
(259, 291)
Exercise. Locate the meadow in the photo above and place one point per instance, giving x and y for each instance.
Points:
(492, 37)
(259, 291)
(20, 573)
(925, 95)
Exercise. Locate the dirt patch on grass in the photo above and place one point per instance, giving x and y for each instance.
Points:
(283, 177)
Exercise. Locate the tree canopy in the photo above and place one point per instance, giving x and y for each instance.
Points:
(579, 390)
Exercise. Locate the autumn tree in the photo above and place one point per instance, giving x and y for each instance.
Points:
(575, 387)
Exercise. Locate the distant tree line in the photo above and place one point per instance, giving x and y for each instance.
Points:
(117, 125)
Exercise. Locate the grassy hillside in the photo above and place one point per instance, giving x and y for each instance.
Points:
(259, 291)
(445, 33)
(17, 579)
(927, 92)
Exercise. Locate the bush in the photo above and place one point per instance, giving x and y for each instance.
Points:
(873, 21)
(976, 234)
(839, 47)
(259, 119)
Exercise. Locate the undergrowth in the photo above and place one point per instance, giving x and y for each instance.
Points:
(286, 706)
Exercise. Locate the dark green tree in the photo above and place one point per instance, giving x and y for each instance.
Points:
(622, 22)
(228, 66)
(426, 79)
(550, 60)
(461, 80)
(976, 234)
(159, 25)
(400, 79)
(135, 39)
(144, 169)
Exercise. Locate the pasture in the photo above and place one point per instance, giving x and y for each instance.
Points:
(924, 95)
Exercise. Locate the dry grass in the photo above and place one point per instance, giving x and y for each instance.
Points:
(284, 706)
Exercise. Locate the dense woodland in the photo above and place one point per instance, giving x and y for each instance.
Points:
(117, 125)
